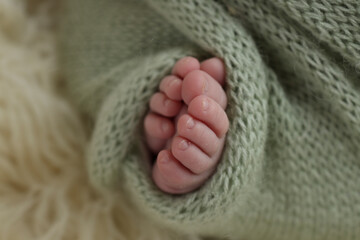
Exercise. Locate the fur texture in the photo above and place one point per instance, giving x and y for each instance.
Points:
(44, 188)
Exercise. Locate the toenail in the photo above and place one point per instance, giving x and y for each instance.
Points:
(165, 127)
(165, 159)
(183, 145)
(205, 104)
(171, 81)
(190, 123)
(205, 86)
(186, 59)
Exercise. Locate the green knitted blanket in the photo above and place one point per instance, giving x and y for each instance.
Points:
(291, 164)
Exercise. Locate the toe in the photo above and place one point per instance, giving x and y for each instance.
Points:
(155, 144)
(184, 66)
(158, 127)
(199, 134)
(215, 68)
(198, 83)
(191, 156)
(172, 177)
(171, 86)
(210, 113)
(164, 106)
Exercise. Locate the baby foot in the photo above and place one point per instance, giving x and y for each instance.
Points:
(187, 124)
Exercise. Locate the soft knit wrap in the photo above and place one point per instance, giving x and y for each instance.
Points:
(291, 164)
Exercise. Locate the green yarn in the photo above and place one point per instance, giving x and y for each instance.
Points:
(291, 164)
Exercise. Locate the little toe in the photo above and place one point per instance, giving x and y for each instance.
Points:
(185, 65)
(191, 156)
(210, 113)
(215, 68)
(158, 127)
(164, 106)
(198, 83)
(171, 86)
(199, 134)
(172, 177)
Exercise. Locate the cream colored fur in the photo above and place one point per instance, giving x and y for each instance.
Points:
(44, 189)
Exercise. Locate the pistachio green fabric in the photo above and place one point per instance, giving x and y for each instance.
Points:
(291, 164)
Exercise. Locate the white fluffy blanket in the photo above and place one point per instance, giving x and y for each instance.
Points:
(44, 189)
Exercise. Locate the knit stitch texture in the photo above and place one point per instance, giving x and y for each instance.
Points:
(291, 164)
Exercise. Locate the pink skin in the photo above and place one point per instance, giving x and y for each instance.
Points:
(187, 124)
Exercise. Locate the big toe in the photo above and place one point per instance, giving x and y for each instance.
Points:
(172, 177)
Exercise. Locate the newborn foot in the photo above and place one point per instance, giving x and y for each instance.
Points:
(187, 124)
